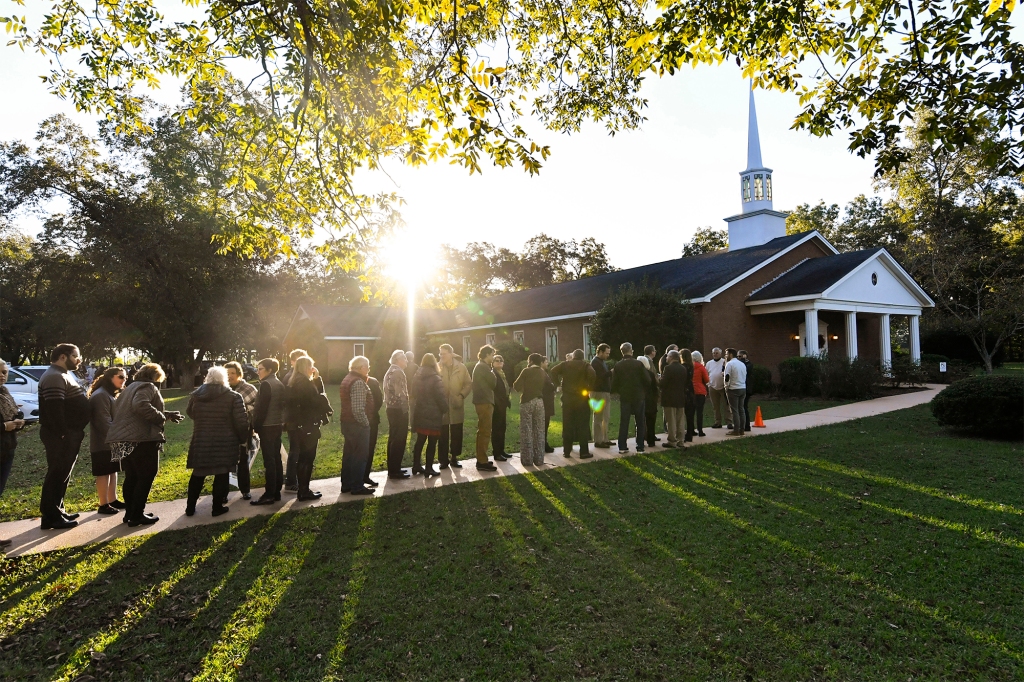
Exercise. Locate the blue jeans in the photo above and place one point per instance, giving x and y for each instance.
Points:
(635, 410)
(353, 458)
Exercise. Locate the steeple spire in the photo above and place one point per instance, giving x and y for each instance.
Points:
(753, 139)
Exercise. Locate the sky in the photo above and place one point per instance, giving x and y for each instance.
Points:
(642, 193)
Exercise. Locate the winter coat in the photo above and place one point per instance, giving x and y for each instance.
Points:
(630, 380)
(603, 375)
(577, 379)
(378, 399)
(221, 426)
(700, 379)
(457, 387)
(139, 416)
(676, 385)
(308, 406)
(501, 399)
(549, 396)
(101, 408)
(483, 384)
(431, 402)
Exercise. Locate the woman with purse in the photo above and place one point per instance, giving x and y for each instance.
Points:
(102, 394)
(308, 410)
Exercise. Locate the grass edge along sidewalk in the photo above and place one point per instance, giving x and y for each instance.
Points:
(27, 536)
(879, 548)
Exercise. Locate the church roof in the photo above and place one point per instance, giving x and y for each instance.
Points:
(695, 277)
(812, 277)
(364, 321)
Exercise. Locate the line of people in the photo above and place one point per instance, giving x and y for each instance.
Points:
(233, 419)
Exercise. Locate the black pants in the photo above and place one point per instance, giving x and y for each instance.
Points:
(746, 411)
(499, 425)
(374, 432)
(635, 410)
(398, 434)
(698, 406)
(417, 450)
(575, 426)
(650, 423)
(6, 462)
(220, 489)
(353, 457)
(294, 441)
(242, 469)
(61, 455)
(449, 445)
(270, 443)
(304, 457)
(140, 469)
(688, 410)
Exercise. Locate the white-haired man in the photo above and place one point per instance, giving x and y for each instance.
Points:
(716, 388)
(396, 403)
(356, 414)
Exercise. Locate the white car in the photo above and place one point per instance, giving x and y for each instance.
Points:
(23, 383)
(29, 406)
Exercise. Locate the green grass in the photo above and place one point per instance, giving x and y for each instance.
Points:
(21, 499)
(878, 549)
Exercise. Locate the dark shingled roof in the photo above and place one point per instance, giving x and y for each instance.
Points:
(369, 320)
(694, 277)
(813, 276)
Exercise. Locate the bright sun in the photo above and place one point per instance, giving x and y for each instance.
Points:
(405, 260)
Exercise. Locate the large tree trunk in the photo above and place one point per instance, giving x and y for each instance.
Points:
(189, 369)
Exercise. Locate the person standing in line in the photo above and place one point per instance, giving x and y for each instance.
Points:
(735, 389)
(268, 422)
(308, 408)
(601, 396)
(673, 398)
(294, 437)
(549, 404)
(63, 414)
(221, 428)
(377, 396)
(458, 384)
(576, 378)
(530, 385)
(102, 394)
(742, 356)
(396, 406)
(136, 438)
(700, 389)
(483, 402)
(499, 422)
(13, 420)
(356, 416)
(650, 402)
(716, 389)
(630, 380)
(432, 403)
(246, 453)
(686, 358)
(664, 358)
(411, 368)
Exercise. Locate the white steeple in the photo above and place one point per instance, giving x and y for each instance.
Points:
(759, 222)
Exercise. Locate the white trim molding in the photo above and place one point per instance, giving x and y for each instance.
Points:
(538, 320)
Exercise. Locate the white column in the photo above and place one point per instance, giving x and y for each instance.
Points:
(851, 335)
(915, 338)
(811, 332)
(883, 340)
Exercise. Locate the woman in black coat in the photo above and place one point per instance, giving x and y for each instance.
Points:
(221, 428)
(308, 410)
(431, 406)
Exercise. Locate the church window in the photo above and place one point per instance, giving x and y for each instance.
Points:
(758, 187)
(746, 188)
(768, 187)
(489, 339)
(519, 337)
(467, 349)
(552, 344)
(588, 344)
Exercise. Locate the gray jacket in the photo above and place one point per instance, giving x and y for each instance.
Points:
(101, 410)
(139, 416)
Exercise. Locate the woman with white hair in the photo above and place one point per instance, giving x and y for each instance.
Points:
(308, 410)
(221, 428)
(700, 388)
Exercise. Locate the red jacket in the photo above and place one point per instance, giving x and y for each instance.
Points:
(700, 378)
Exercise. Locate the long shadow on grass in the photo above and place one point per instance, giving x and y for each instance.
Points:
(845, 570)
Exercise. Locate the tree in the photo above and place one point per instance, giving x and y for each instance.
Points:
(865, 223)
(346, 85)
(19, 307)
(644, 314)
(706, 240)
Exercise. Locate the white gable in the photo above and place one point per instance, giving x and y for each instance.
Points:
(873, 282)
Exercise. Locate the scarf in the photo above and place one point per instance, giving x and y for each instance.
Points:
(8, 408)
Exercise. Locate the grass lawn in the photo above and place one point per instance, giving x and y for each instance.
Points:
(878, 549)
(21, 499)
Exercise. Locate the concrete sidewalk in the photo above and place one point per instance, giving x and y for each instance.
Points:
(28, 537)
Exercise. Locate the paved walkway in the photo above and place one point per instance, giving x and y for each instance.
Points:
(28, 537)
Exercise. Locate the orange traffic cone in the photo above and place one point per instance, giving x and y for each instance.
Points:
(758, 422)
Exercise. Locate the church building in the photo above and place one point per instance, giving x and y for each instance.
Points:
(773, 294)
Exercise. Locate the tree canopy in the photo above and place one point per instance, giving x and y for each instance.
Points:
(335, 87)
(643, 313)
(706, 240)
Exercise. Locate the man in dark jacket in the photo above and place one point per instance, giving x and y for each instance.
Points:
(291, 483)
(674, 381)
(63, 415)
(601, 396)
(742, 357)
(483, 402)
(499, 422)
(630, 380)
(377, 395)
(577, 378)
(268, 422)
(549, 404)
(356, 414)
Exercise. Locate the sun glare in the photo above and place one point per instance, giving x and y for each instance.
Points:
(405, 261)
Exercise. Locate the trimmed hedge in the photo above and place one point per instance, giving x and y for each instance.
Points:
(990, 405)
(799, 376)
(759, 380)
(839, 378)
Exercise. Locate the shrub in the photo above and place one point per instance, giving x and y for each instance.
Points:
(955, 369)
(989, 405)
(759, 380)
(520, 366)
(905, 372)
(512, 352)
(838, 378)
(799, 376)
